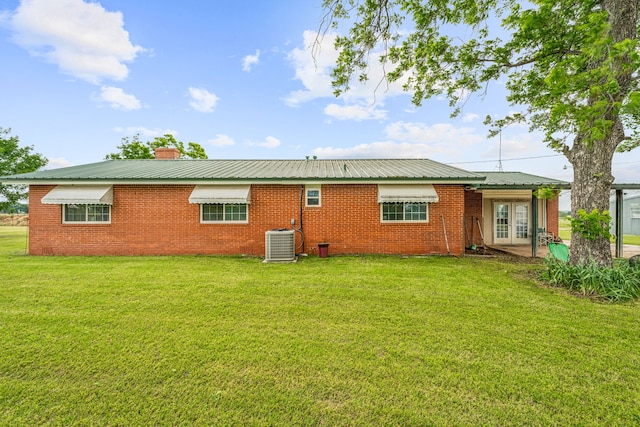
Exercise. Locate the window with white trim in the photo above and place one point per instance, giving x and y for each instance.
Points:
(223, 212)
(81, 213)
(635, 210)
(313, 195)
(404, 212)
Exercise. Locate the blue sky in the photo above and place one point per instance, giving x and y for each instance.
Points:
(237, 77)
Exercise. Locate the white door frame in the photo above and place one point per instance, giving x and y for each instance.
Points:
(511, 222)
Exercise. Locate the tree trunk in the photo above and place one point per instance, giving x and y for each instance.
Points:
(592, 177)
(590, 190)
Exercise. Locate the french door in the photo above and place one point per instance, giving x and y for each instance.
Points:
(511, 223)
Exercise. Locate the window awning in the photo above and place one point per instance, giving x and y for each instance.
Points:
(220, 194)
(79, 195)
(393, 193)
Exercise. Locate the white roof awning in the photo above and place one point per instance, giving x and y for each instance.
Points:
(220, 194)
(392, 193)
(79, 195)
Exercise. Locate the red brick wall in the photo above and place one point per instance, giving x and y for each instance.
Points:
(159, 220)
(553, 215)
(349, 220)
(473, 213)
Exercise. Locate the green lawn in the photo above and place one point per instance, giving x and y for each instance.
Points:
(13, 240)
(341, 341)
(564, 229)
(565, 233)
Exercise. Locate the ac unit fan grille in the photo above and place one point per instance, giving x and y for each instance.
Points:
(280, 245)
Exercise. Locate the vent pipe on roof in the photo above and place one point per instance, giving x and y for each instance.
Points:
(167, 153)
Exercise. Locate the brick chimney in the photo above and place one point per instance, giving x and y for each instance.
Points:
(163, 153)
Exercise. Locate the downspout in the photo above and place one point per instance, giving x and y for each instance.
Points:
(301, 223)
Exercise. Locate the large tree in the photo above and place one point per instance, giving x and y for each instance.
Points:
(13, 160)
(571, 65)
(135, 149)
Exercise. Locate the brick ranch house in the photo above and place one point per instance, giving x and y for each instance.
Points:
(172, 206)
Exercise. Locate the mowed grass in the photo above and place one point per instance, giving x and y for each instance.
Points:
(341, 341)
(13, 240)
(565, 233)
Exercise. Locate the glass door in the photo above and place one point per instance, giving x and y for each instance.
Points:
(502, 223)
(522, 214)
(511, 223)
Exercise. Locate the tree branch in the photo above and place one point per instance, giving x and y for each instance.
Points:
(532, 59)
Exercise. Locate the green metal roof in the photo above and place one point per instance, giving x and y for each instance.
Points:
(627, 186)
(189, 170)
(515, 180)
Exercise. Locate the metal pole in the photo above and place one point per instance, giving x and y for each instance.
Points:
(619, 224)
(534, 225)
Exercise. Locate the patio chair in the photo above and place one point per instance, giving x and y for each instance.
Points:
(544, 237)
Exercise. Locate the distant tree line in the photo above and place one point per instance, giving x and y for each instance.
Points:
(14, 160)
(134, 148)
(18, 208)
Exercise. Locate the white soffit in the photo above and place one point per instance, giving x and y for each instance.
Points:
(220, 194)
(79, 195)
(390, 193)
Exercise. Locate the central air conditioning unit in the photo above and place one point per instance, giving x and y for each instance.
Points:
(280, 245)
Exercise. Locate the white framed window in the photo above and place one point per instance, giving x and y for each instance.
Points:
(404, 212)
(85, 213)
(313, 195)
(224, 212)
(635, 210)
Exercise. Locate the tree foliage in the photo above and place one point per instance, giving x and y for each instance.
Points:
(14, 160)
(571, 66)
(592, 226)
(135, 149)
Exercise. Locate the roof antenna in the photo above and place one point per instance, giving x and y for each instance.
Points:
(500, 154)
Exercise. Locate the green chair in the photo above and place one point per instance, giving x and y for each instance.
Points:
(559, 251)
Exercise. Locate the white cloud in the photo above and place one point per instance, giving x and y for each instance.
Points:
(118, 99)
(222, 140)
(411, 140)
(146, 132)
(470, 117)
(250, 60)
(313, 69)
(5, 18)
(440, 133)
(58, 162)
(515, 145)
(83, 39)
(269, 142)
(627, 173)
(202, 100)
(379, 150)
(354, 112)
(314, 62)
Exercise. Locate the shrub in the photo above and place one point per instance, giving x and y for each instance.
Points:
(592, 225)
(616, 284)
